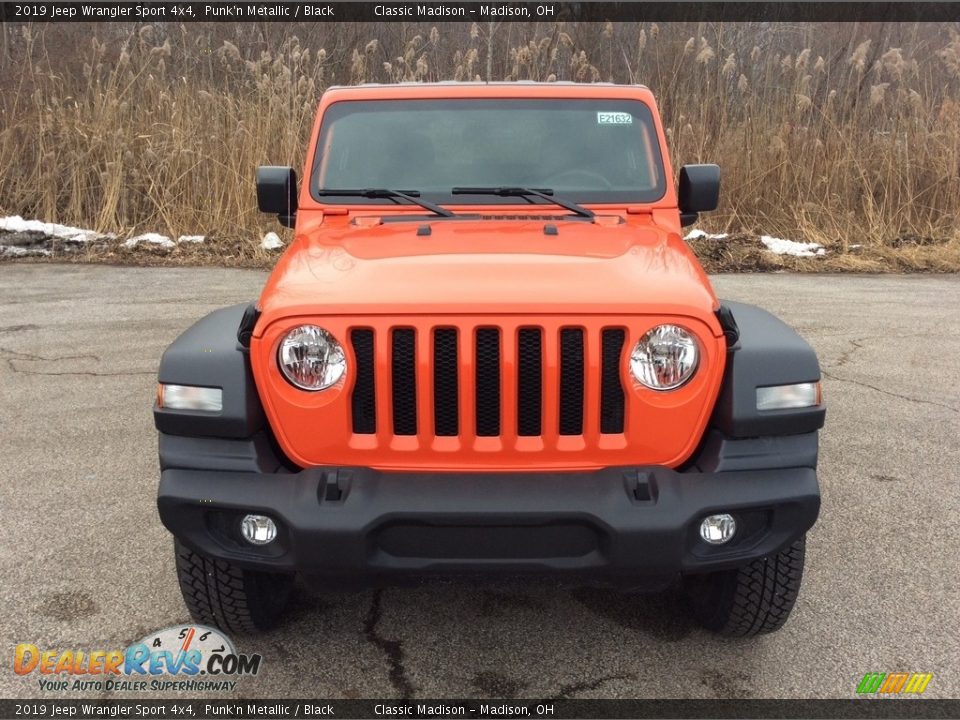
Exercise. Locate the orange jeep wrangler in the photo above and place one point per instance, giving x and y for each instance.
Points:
(488, 350)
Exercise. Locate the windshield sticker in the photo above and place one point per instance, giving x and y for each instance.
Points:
(614, 118)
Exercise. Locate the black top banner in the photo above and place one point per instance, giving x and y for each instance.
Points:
(486, 709)
(478, 11)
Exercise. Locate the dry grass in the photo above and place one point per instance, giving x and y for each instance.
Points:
(745, 253)
(839, 134)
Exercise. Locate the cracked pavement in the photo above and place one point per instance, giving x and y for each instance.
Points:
(86, 564)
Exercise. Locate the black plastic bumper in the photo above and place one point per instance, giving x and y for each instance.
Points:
(617, 522)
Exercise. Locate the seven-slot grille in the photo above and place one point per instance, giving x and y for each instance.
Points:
(428, 378)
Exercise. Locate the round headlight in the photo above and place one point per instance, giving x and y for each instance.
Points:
(664, 358)
(311, 358)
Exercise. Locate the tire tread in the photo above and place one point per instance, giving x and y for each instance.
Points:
(223, 595)
(751, 600)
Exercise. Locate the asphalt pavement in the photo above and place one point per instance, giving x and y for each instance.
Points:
(85, 563)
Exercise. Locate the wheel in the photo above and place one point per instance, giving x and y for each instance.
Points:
(220, 594)
(750, 600)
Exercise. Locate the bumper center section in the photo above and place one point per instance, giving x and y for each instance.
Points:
(488, 542)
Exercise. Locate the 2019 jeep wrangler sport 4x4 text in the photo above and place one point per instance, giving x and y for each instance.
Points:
(489, 350)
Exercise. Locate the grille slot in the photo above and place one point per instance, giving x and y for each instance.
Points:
(611, 389)
(445, 383)
(488, 382)
(572, 381)
(529, 381)
(363, 404)
(404, 383)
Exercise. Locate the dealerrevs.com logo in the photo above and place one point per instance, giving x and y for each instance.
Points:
(893, 684)
(181, 657)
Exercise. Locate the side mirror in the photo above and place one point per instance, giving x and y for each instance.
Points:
(698, 191)
(277, 192)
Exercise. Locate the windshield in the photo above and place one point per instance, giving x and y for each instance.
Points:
(600, 151)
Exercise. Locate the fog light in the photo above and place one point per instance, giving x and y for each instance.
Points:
(258, 529)
(718, 529)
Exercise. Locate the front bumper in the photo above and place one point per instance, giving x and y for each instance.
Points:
(620, 523)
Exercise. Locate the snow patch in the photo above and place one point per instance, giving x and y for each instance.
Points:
(698, 234)
(152, 238)
(17, 251)
(789, 247)
(15, 223)
(271, 241)
(24, 238)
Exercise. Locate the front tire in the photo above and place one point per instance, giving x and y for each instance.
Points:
(221, 594)
(750, 600)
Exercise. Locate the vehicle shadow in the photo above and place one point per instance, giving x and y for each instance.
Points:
(660, 614)
(505, 638)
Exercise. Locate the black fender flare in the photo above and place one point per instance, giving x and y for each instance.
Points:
(208, 354)
(767, 352)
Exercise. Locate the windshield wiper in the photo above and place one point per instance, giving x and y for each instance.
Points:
(409, 195)
(545, 193)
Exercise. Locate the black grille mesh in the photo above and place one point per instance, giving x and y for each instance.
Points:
(529, 381)
(364, 407)
(404, 383)
(488, 382)
(445, 379)
(611, 390)
(487, 364)
(571, 381)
